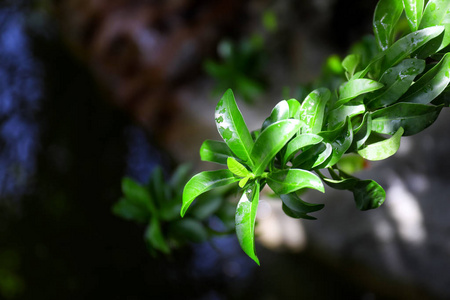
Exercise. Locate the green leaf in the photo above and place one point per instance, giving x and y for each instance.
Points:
(270, 142)
(337, 116)
(288, 181)
(245, 220)
(153, 235)
(350, 63)
(356, 87)
(408, 44)
(158, 188)
(430, 85)
(368, 194)
(383, 149)
(362, 132)
(236, 168)
(340, 139)
(138, 195)
(351, 163)
(313, 108)
(129, 211)
(434, 13)
(342, 183)
(190, 230)
(299, 142)
(413, 11)
(232, 128)
(412, 117)
(387, 13)
(204, 182)
(215, 151)
(180, 176)
(294, 109)
(313, 157)
(293, 214)
(397, 80)
(205, 207)
(296, 204)
(279, 112)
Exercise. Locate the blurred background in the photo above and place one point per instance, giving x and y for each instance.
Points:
(95, 90)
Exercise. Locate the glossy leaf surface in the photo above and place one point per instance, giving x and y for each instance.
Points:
(313, 108)
(368, 194)
(236, 168)
(297, 208)
(301, 141)
(397, 80)
(279, 112)
(288, 181)
(434, 13)
(245, 220)
(430, 85)
(413, 11)
(383, 149)
(408, 44)
(362, 132)
(338, 115)
(411, 116)
(387, 13)
(313, 157)
(270, 142)
(203, 182)
(356, 87)
(294, 108)
(232, 128)
(350, 63)
(215, 151)
(340, 139)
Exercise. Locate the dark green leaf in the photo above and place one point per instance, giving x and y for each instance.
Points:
(313, 157)
(293, 202)
(190, 230)
(232, 127)
(383, 149)
(301, 141)
(157, 187)
(337, 116)
(215, 151)
(270, 142)
(397, 81)
(279, 112)
(245, 220)
(430, 85)
(362, 132)
(205, 206)
(180, 176)
(413, 11)
(313, 108)
(387, 13)
(412, 117)
(288, 181)
(356, 87)
(129, 211)
(340, 139)
(204, 182)
(368, 194)
(342, 183)
(155, 238)
(408, 44)
(138, 195)
(297, 215)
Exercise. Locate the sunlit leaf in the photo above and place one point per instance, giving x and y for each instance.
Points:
(356, 87)
(270, 142)
(279, 112)
(413, 11)
(245, 220)
(203, 182)
(236, 168)
(288, 181)
(383, 149)
(337, 116)
(232, 127)
(387, 13)
(294, 108)
(434, 13)
(301, 141)
(313, 108)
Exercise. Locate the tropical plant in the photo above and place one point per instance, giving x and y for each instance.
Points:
(392, 85)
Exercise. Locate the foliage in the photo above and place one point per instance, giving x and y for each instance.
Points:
(158, 203)
(392, 84)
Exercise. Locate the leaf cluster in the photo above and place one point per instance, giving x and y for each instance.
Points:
(393, 85)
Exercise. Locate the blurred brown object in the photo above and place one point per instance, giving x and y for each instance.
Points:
(142, 51)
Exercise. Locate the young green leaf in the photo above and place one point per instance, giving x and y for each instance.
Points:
(270, 142)
(430, 85)
(203, 182)
(154, 237)
(245, 220)
(232, 127)
(313, 108)
(279, 112)
(383, 149)
(215, 151)
(434, 13)
(301, 141)
(350, 63)
(294, 109)
(412, 117)
(368, 194)
(408, 44)
(291, 180)
(236, 168)
(413, 11)
(387, 13)
(356, 87)
(397, 80)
